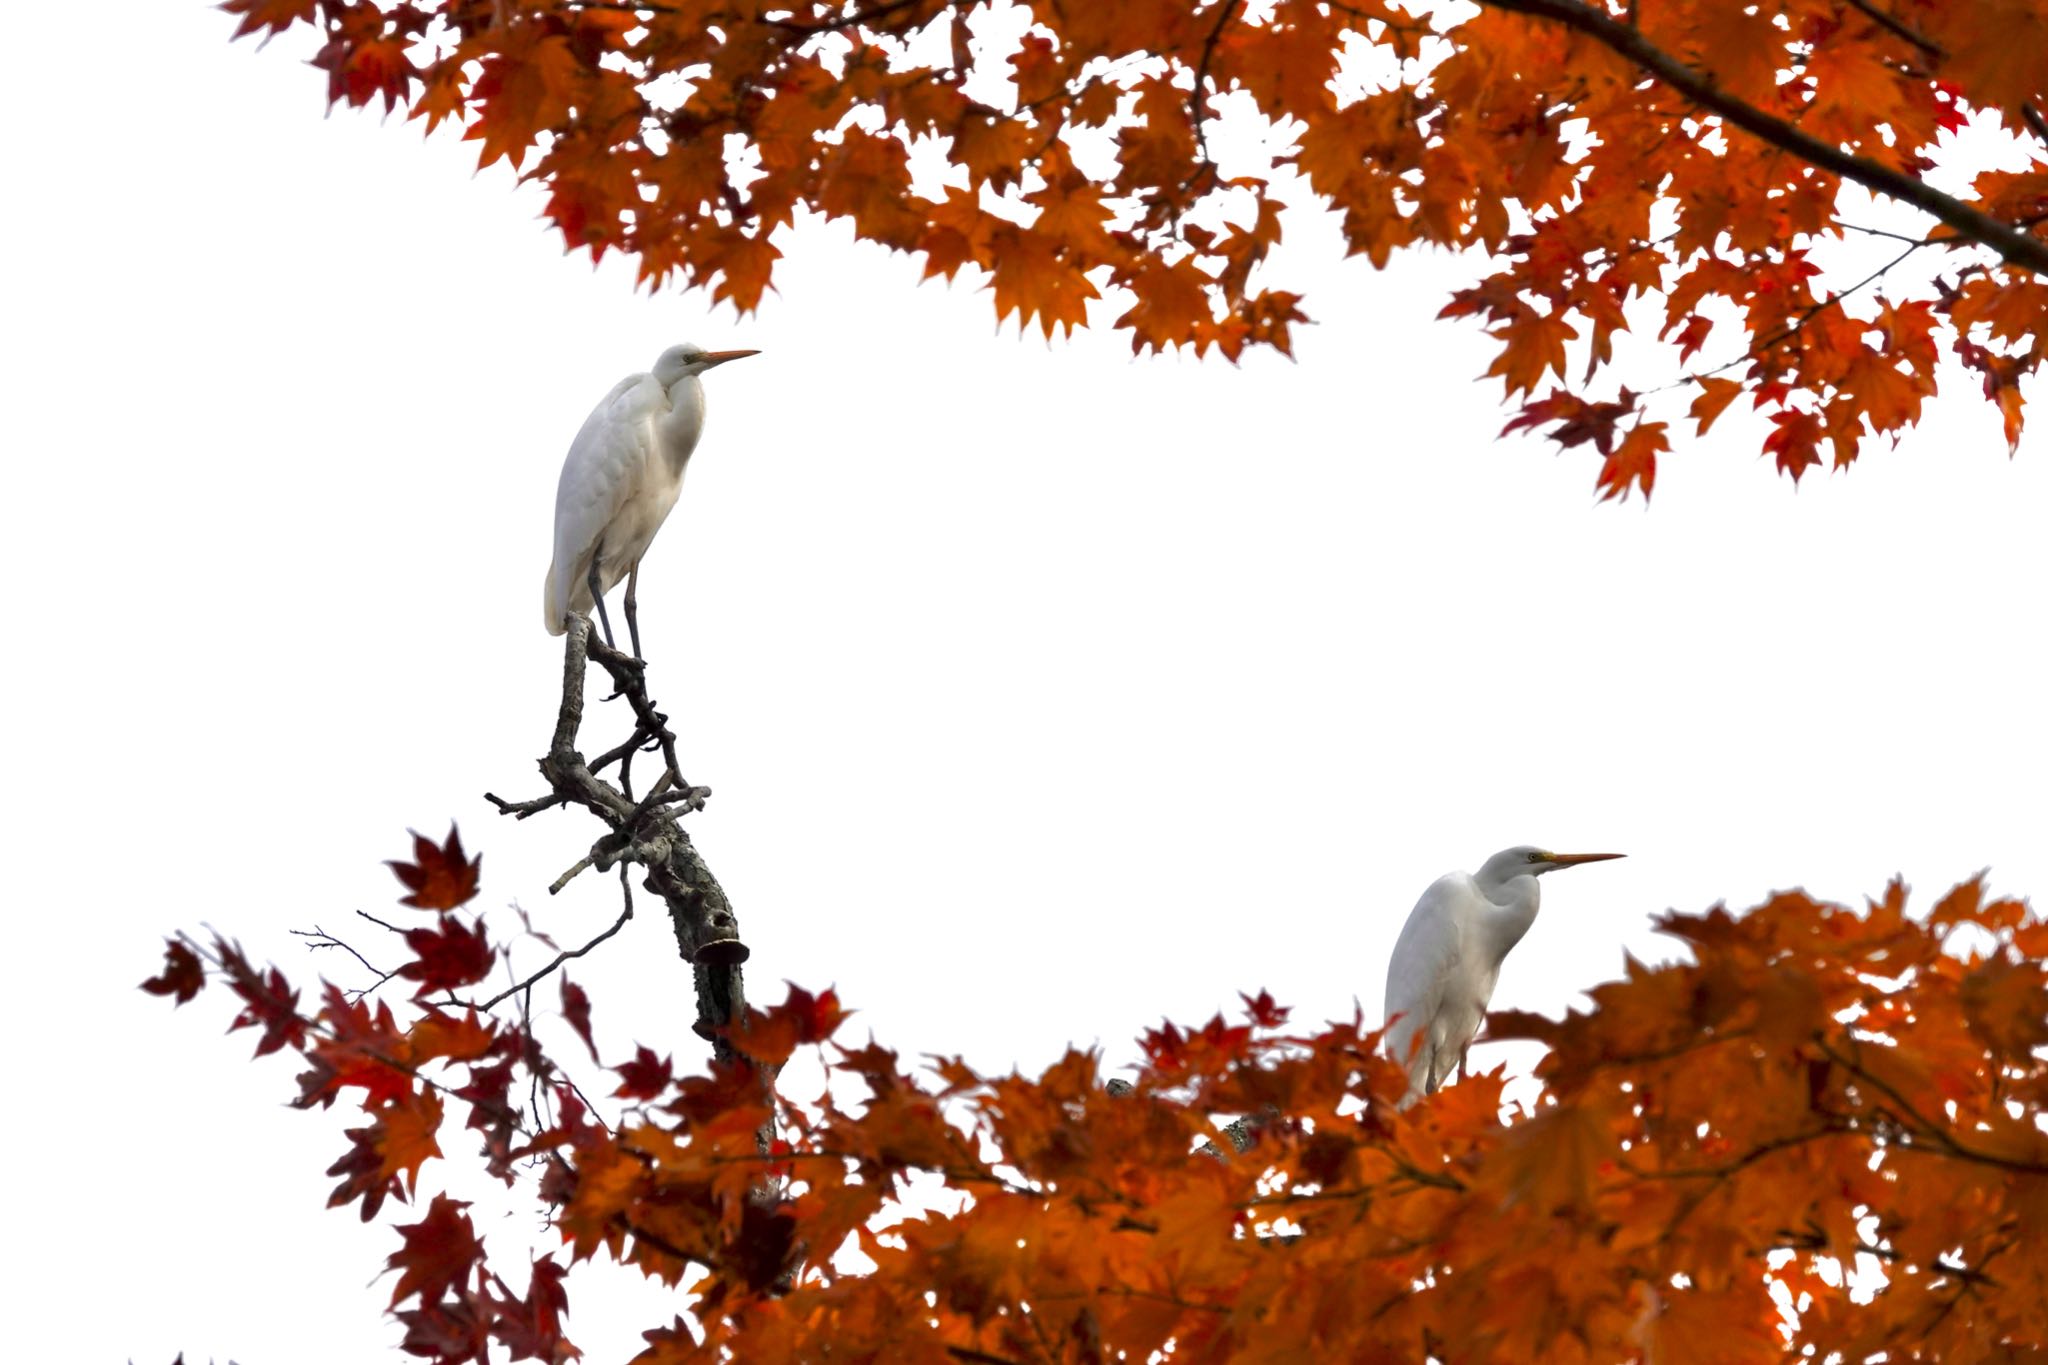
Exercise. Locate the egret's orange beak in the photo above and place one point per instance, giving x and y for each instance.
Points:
(1573, 859)
(715, 358)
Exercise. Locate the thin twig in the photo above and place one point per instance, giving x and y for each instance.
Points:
(1907, 238)
(1797, 325)
(567, 953)
(322, 939)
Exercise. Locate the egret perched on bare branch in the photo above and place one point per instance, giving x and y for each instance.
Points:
(622, 476)
(1449, 954)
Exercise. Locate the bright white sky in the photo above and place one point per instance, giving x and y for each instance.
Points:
(1045, 692)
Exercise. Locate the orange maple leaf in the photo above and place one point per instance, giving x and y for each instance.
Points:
(1714, 397)
(408, 1129)
(1535, 347)
(1634, 462)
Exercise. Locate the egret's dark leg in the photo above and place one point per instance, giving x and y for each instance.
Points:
(633, 607)
(597, 594)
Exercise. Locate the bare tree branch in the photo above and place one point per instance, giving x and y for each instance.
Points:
(643, 832)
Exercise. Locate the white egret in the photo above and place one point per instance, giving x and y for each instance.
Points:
(1448, 958)
(621, 477)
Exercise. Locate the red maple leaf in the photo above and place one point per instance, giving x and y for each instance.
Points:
(268, 1001)
(645, 1077)
(817, 1016)
(1795, 442)
(491, 1112)
(362, 1172)
(1167, 1049)
(531, 1328)
(439, 1252)
(439, 878)
(447, 956)
(182, 976)
(1263, 1011)
(447, 1333)
(360, 1048)
(576, 1009)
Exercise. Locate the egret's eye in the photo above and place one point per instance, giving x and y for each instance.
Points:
(1535, 857)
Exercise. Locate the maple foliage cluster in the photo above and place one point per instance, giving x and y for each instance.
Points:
(1824, 1133)
(1682, 158)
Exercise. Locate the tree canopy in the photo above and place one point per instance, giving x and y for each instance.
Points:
(1822, 1134)
(1668, 167)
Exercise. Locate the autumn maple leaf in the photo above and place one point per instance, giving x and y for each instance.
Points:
(438, 877)
(448, 955)
(1634, 462)
(1535, 347)
(645, 1076)
(1714, 397)
(182, 977)
(531, 1327)
(576, 1009)
(440, 1252)
(1796, 441)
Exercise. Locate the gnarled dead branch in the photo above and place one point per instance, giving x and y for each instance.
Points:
(644, 830)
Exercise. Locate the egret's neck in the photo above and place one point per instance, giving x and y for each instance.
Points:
(1514, 901)
(684, 422)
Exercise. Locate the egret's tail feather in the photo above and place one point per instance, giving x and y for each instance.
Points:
(551, 604)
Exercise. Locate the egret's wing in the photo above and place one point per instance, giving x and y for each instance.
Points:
(604, 463)
(1426, 957)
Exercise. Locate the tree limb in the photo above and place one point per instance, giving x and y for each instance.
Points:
(2015, 246)
(644, 832)
(1923, 1133)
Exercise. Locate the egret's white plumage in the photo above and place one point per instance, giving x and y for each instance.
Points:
(1447, 959)
(622, 475)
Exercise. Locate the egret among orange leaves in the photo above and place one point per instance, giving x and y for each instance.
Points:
(1448, 958)
(622, 475)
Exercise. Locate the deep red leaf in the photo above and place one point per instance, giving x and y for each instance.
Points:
(1263, 1011)
(531, 1328)
(439, 878)
(447, 956)
(576, 1009)
(645, 1077)
(182, 976)
(439, 1252)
